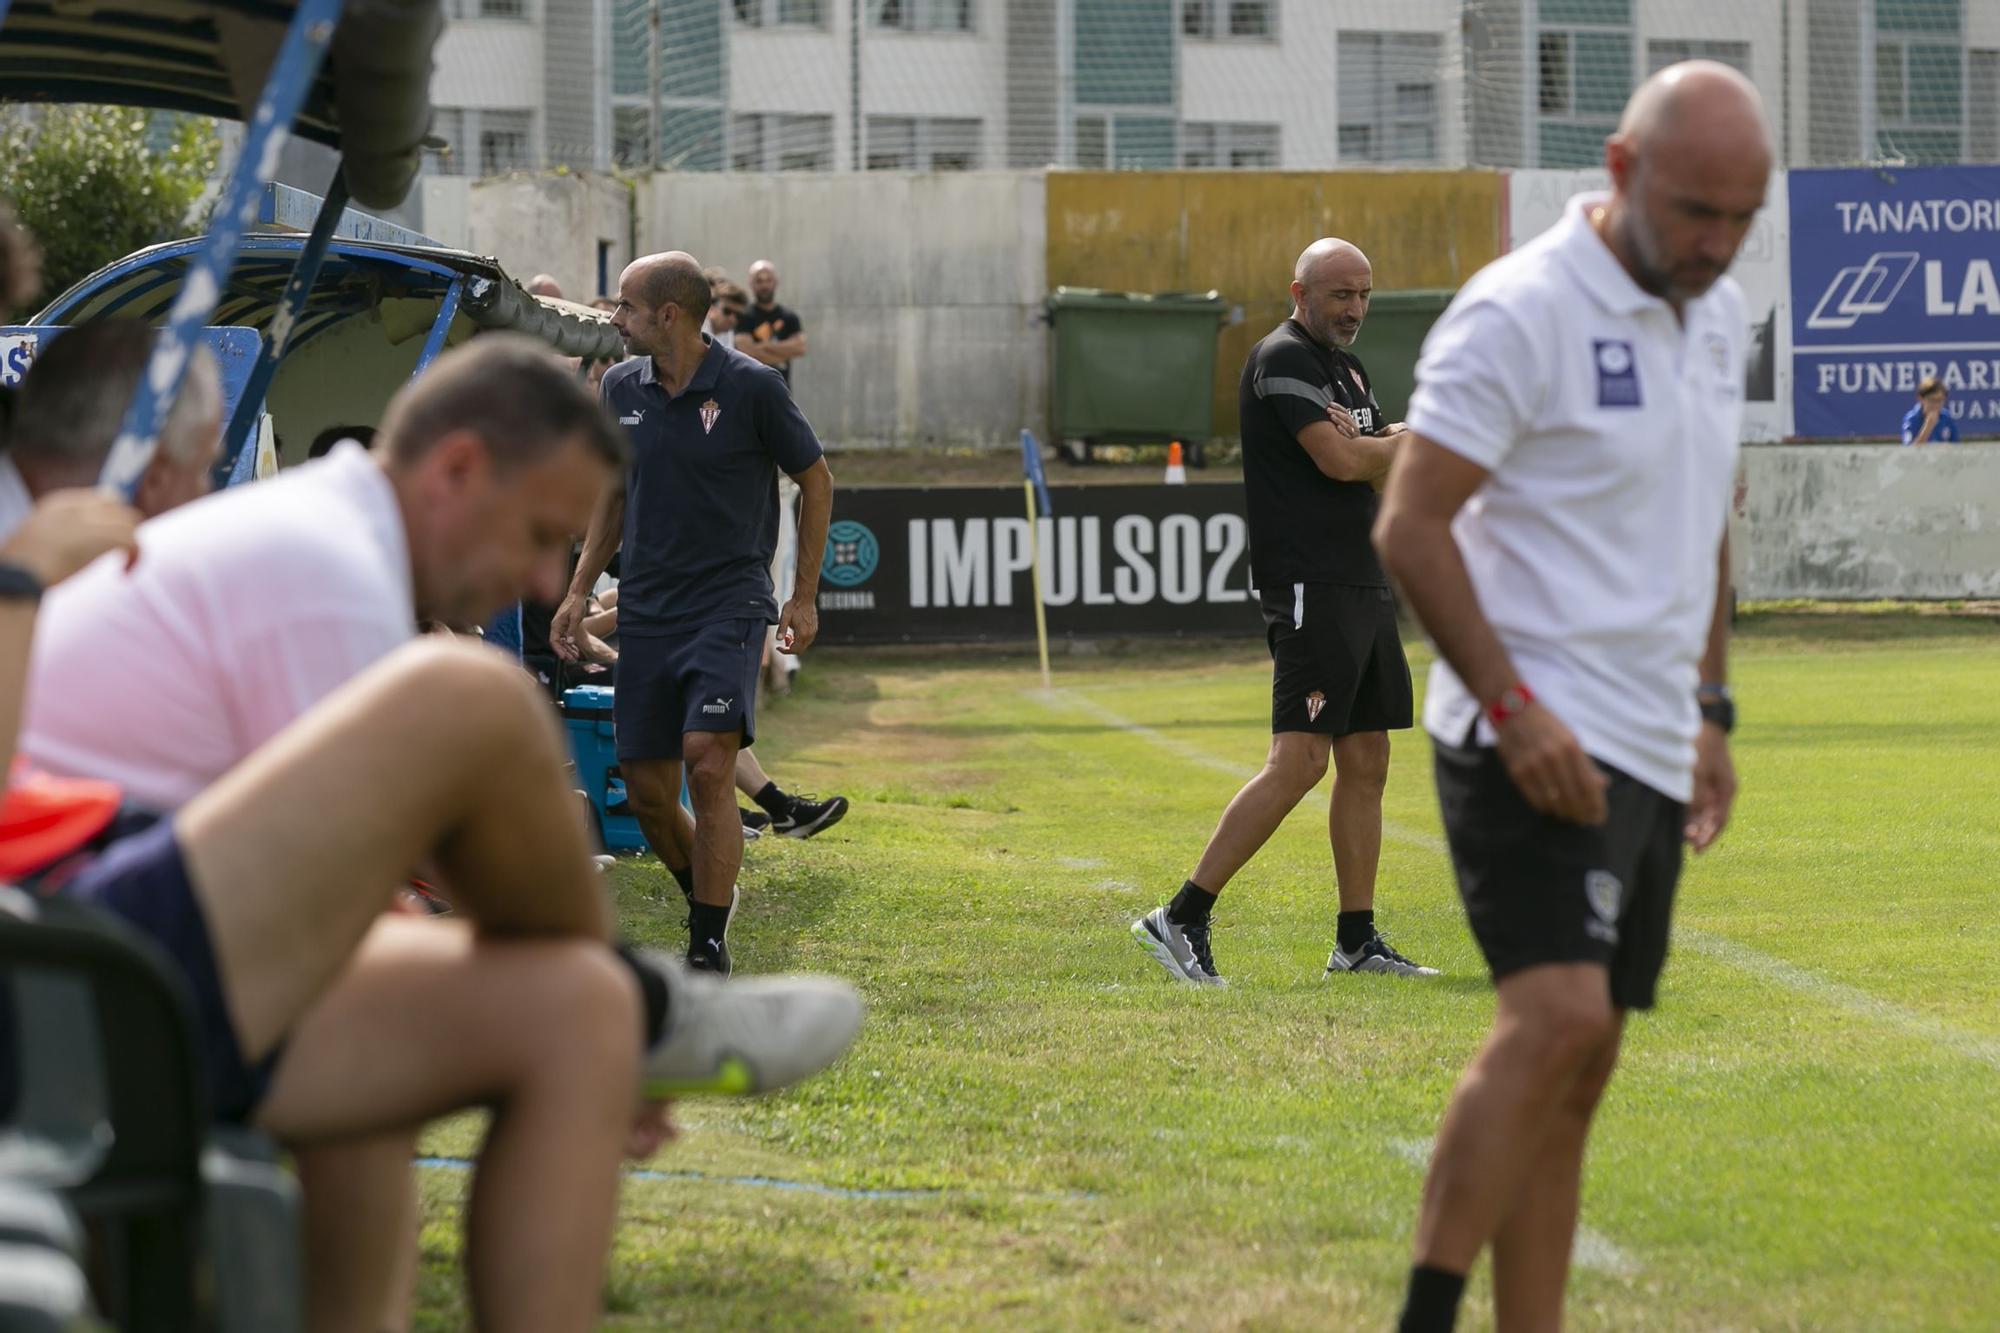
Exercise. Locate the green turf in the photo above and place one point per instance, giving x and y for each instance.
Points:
(1805, 1136)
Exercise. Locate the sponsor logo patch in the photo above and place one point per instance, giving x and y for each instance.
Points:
(632, 420)
(1602, 891)
(1617, 372)
(719, 706)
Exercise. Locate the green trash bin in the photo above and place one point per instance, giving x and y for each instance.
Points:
(1132, 367)
(1391, 339)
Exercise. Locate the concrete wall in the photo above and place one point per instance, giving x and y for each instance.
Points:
(536, 224)
(1240, 232)
(1859, 522)
(920, 294)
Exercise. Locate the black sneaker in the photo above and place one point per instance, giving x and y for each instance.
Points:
(711, 955)
(754, 822)
(1376, 956)
(809, 816)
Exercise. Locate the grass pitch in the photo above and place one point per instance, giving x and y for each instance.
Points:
(1038, 1129)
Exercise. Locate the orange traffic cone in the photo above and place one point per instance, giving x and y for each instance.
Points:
(1176, 473)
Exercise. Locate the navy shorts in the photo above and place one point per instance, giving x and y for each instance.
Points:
(704, 679)
(143, 880)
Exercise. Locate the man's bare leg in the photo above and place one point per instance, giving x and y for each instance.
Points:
(1354, 816)
(1551, 1025)
(1294, 766)
(718, 829)
(442, 751)
(361, 1232)
(750, 775)
(1531, 1249)
(654, 788)
(541, 1030)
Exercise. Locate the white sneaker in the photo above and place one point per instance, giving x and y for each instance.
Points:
(1376, 956)
(1181, 949)
(749, 1036)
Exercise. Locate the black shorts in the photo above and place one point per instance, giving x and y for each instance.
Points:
(1337, 664)
(1538, 889)
(704, 679)
(143, 880)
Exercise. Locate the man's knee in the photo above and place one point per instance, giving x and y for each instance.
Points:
(592, 1006)
(711, 762)
(1362, 759)
(652, 786)
(490, 694)
(1564, 1018)
(1298, 760)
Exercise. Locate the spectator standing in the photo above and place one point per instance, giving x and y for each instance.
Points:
(771, 333)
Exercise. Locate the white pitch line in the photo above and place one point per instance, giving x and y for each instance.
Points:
(1973, 1046)
(1591, 1248)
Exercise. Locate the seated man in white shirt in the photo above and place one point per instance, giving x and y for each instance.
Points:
(195, 681)
(69, 407)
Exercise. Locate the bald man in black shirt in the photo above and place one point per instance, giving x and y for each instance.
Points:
(1315, 451)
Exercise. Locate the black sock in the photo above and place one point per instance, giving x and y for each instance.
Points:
(683, 876)
(1193, 903)
(1432, 1305)
(652, 990)
(707, 922)
(776, 803)
(1355, 929)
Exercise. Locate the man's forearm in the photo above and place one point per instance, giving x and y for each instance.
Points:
(1715, 656)
(1426, 564)
(601, 542)
(815, 511)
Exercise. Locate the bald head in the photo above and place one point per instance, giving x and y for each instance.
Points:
(1331, 286)
(662, 301)
(674, 278)
(1698, 103)
(764, 281)
(544, 284)
(1689, 167)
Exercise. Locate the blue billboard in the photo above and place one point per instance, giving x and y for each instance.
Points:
(1892, 282)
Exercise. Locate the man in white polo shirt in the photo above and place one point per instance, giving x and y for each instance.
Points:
(1557, 520)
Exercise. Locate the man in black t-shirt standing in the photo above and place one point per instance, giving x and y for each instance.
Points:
(1315, 452)
(767, 331)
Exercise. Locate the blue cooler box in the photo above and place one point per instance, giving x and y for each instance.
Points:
(587, 717)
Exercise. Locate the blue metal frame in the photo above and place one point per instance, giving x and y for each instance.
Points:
(304, 271)
(5, 5)
(434, 343)
(292, 72)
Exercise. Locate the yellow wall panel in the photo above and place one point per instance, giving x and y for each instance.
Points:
(1239, 232)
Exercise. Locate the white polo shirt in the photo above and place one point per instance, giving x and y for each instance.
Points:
(1610, 429)
(246, 608)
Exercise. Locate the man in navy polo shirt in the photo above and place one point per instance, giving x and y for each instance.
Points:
(697, 519)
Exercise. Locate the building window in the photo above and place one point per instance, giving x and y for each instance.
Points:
(1389, 96)
(1982, 106)
(1209, 20)
(912, 143)
(448, 124)
(767, 142)
(1920, 103)
(1583, 76)
(1663, 52)
(780, 13)
(922, 15)
(503, 141)
(1092, 143)
(1212, 144)
(502, 9)
(631, 136)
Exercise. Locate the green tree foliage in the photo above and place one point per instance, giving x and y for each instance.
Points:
(93, 184)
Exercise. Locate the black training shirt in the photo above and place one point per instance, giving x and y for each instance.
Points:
(769, 324)
(701, 494)
(1305, 527)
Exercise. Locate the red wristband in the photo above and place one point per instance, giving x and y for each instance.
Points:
(1512, 701)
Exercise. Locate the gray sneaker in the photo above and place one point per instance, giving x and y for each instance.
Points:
(1181, 949)
(743, 1037)
(1376, 956)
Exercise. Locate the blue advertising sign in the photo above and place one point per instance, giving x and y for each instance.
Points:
(1893, 281)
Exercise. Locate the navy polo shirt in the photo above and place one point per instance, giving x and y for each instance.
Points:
(701, 495)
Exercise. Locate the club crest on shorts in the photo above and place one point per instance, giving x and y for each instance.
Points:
(1603, 890)
(710, 411)
(1314, 702)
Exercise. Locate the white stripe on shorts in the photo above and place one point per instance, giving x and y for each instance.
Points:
(1298, 606)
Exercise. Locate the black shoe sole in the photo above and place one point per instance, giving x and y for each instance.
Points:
(835, 811)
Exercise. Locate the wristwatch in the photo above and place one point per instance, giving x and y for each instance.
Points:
(18, 583)
(1717, 706)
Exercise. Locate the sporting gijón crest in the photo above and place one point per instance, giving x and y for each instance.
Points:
(710, 411)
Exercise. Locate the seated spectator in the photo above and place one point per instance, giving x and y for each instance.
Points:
(308, 760)
(1928, 422)
(70, 405)
(727, 302)
(323, 442)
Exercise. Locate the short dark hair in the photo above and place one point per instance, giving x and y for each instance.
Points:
(1929, 385)
(73, 399)
(323, 442)
(510, 390)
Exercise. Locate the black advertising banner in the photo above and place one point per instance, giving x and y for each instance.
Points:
(951, 564)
